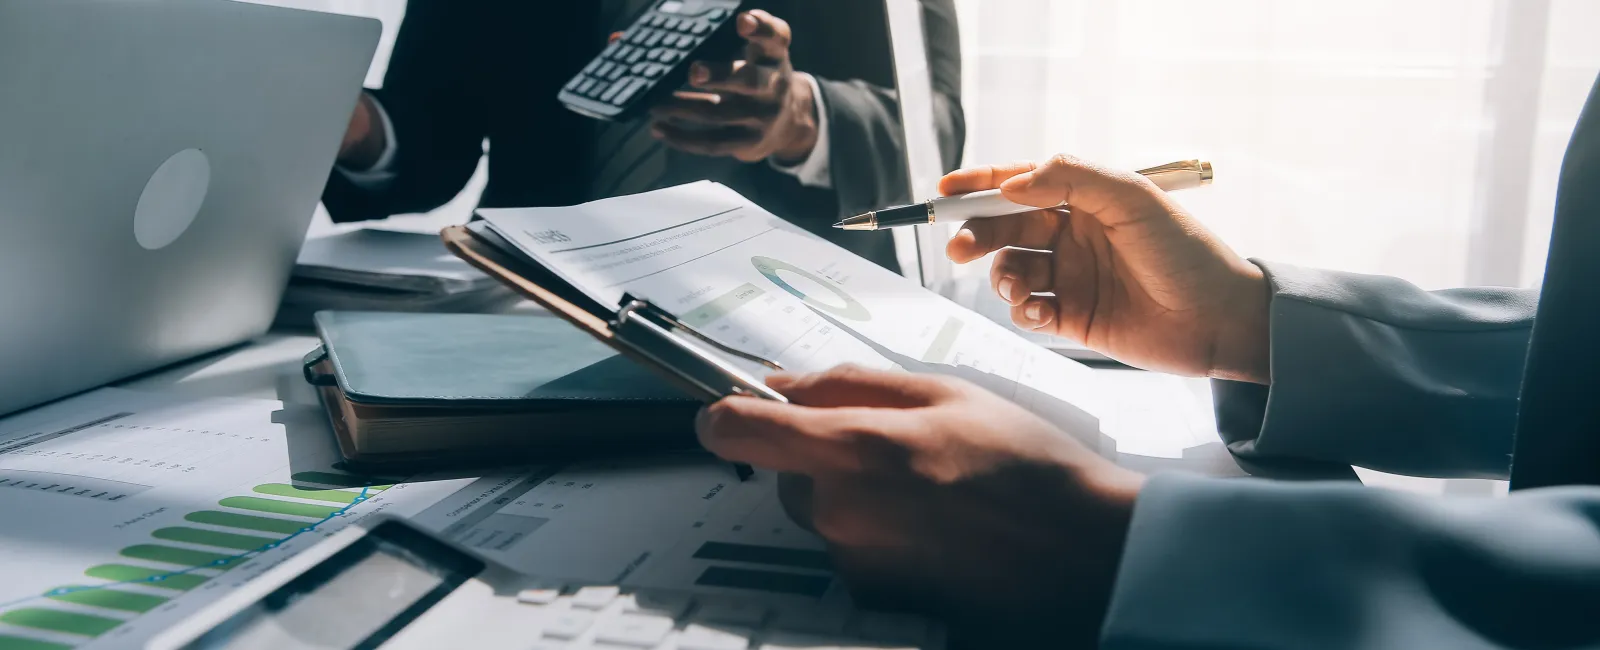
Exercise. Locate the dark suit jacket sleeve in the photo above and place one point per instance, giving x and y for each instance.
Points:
(1248, 563)
(1375, 372)
(867, 146)
(436, 102)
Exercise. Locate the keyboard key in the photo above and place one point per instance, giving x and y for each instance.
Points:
(597, 597)
(638, 630)
(700, 637)
(818, 620)
(660, 603)
(732, 612)
(893, 628)
(567, 624)
(538, 596)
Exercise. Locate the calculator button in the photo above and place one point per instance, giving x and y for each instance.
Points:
(621, 53)
(654, 71)
(617, 73)
(654, 39)
(637, 630)
(639, 35)
(597, 90)
(700, 637)
(567, 624)
(670, 56)
(654, 55)
(603, 70)
(598, 597)
(630, 88)
(572, 86)
(700, 29)
(659, 20)
(594, 65)
(716, 14)
(610, 49)
(635, 55)
(671, 23)
(587, 85)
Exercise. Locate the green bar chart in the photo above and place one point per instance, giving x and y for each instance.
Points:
(179, 558)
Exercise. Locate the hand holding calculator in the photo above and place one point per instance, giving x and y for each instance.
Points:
(652, 57)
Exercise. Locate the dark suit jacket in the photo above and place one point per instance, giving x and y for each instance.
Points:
(466, 70)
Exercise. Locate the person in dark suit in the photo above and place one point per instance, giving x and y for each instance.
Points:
(806, 124)
(932, 490)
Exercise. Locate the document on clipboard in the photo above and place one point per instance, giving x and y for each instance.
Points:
(715, 292)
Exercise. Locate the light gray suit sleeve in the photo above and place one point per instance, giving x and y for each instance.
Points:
(1375, 372)
(1256, 564)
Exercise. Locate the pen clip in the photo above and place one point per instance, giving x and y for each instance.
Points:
(647, 309)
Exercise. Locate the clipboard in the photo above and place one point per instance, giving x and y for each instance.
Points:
(636, 328)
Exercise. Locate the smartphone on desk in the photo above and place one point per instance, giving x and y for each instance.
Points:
(652, 58)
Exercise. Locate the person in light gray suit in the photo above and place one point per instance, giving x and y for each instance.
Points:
(945, 498)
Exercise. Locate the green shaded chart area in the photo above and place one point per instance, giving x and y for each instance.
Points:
(56, 620)
(843, 304)
(19, 643)
(111, 599)
(222, 539)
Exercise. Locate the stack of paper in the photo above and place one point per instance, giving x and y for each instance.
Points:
(385, 270)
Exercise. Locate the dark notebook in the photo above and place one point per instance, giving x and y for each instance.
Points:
(427, 389)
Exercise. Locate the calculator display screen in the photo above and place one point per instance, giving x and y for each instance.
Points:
(357, 598)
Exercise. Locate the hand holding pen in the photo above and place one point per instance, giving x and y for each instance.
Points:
(1127, 271)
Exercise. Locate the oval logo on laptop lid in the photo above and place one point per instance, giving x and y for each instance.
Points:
(172, 199)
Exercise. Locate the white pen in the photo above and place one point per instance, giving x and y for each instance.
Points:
(1171, 177)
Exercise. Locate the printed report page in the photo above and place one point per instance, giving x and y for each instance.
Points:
(755, 282)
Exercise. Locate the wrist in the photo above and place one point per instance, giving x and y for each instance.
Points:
(802, 129)
(364, 142)
(1242, 345)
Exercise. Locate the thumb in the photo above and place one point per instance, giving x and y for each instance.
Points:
(1105, 193)
(851, 385)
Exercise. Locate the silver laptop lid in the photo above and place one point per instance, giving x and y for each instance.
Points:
(161, 162)
(921, 248)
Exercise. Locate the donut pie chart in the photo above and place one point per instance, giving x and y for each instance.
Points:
(839, 303)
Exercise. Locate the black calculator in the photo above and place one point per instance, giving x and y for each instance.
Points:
(652, 58)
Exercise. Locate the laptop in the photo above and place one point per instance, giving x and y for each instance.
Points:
(162, 161)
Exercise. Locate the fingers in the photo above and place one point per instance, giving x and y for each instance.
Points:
(850, 385)
(979, 237)
(1017, 274)
(977, 179)
(1088, 187)
(737, 77)
(717, 110)
(787, 437)
(739, 142)
(1037, 312)
(769, 36)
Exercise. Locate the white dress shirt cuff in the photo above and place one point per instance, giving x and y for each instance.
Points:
(382, 172)
(814, 171)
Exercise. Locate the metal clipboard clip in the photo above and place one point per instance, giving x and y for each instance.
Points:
(697, 359)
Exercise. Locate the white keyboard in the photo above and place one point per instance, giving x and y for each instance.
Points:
(627, 619)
